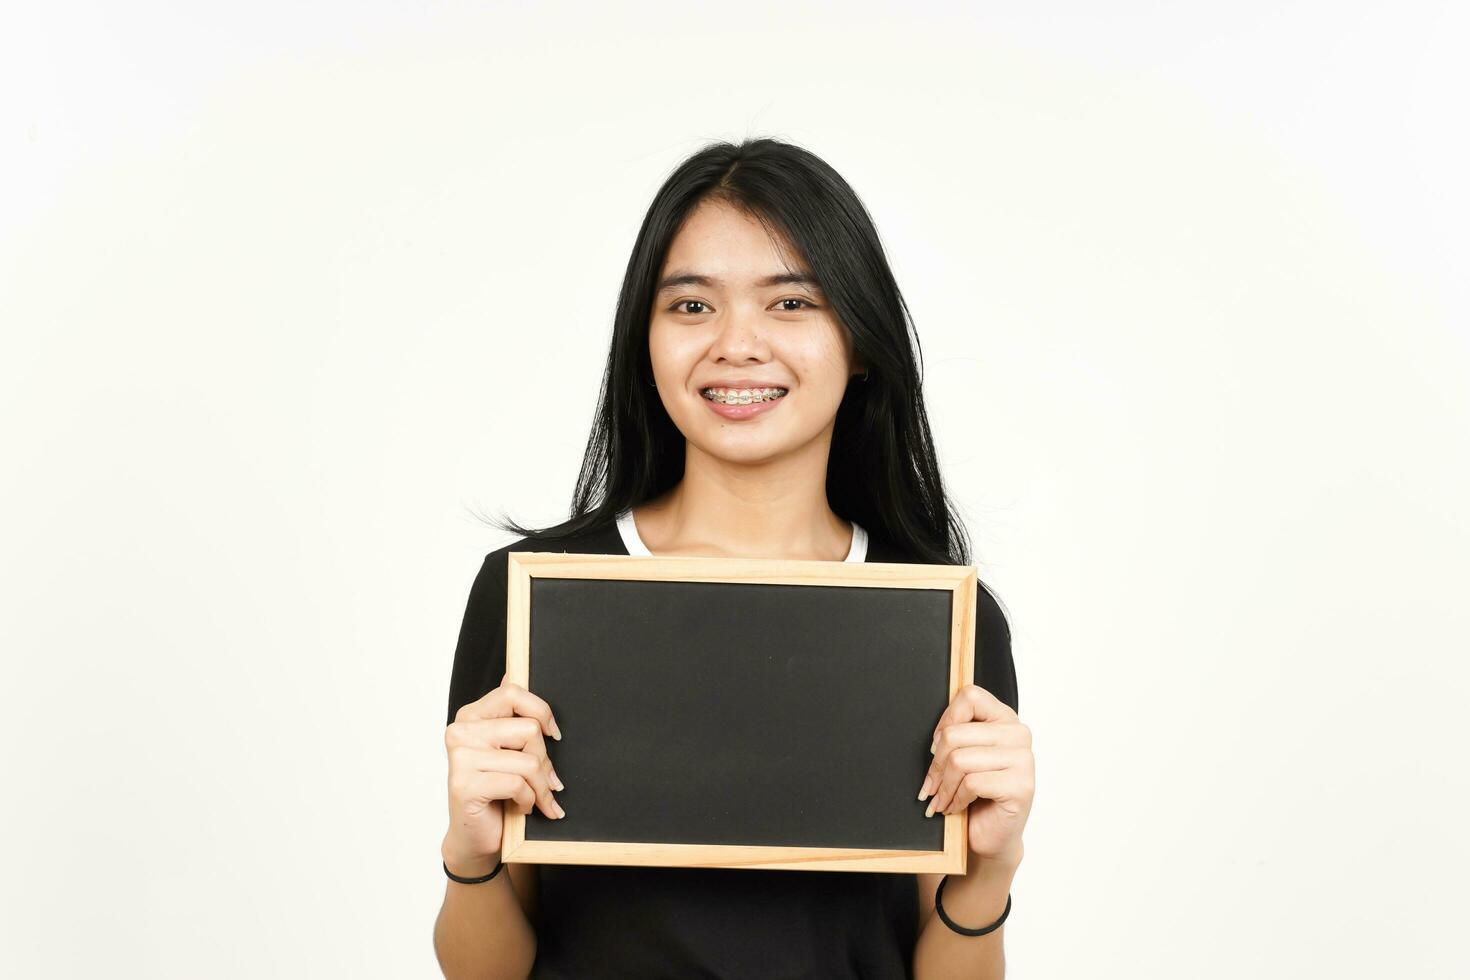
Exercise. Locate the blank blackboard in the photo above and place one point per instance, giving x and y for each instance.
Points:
(740, 713)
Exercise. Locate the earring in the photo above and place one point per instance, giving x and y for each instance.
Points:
(653, 384)
(865, 374)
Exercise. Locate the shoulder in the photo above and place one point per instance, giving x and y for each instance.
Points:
(995, 662)
(601, 538)
(988, 606)
(490, 581)
(479, 657)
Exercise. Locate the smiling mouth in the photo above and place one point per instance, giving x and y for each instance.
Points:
(742, 396)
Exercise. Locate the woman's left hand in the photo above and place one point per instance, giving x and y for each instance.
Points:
(982, 760)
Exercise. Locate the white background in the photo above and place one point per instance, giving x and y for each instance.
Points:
(289, 292)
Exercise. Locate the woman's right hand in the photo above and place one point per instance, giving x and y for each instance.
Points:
(497, 752)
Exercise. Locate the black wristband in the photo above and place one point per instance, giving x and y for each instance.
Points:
(474, 881)
(944, 916)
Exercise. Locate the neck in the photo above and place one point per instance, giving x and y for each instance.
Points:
(772, 509)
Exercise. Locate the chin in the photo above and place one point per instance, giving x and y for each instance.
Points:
(748, 450)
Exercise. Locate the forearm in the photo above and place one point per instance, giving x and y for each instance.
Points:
(973, 900)
(482, 932)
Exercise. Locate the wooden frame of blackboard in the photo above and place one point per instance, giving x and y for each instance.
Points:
(959, 580)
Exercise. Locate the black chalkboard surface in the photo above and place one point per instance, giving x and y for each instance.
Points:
(740, 713)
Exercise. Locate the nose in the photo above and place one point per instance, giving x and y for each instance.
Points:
(741, 337)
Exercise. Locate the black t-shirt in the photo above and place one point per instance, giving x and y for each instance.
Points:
(621, 921)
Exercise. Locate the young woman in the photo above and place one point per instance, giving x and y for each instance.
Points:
(761, 399)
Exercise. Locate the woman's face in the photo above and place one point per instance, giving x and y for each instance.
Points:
(719, 322)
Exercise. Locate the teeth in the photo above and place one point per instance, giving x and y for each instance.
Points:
(742, 396)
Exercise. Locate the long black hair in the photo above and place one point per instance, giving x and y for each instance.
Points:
(882, 470)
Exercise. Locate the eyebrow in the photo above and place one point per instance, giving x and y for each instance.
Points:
(680, 278)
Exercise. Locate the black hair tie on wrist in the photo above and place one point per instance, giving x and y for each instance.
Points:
(474, 881)
(939, 907)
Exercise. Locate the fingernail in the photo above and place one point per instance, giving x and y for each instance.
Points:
(934, 745)
(930, 811)
(556, 781)
(924, 790)
(556, 731)
(559, 811)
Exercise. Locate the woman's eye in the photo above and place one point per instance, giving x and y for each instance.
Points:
(684, 305)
